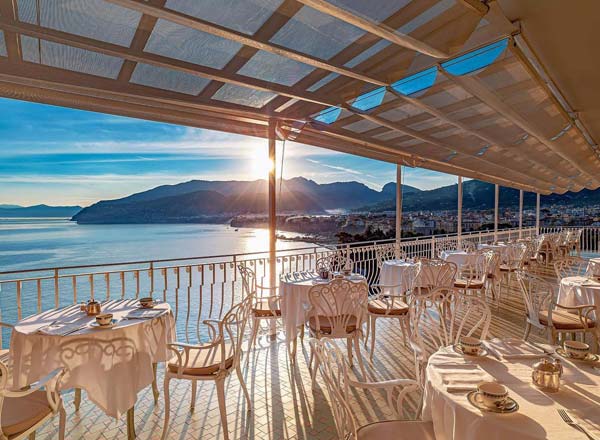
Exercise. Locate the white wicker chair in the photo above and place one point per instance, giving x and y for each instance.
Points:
(570, 267)
(472, 276)
(25, 410)
(441, 318)
(434, 274)
(333, 262)
(338, 311)
(390, 302)
(213, 361)
(545, 314)
(266, 305)
(399, 395)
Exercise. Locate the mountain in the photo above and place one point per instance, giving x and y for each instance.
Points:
(201, 201)
(39, 211)
(477, 195)
(201, 206)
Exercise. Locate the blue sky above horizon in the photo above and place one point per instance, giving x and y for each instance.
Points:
(62, 156)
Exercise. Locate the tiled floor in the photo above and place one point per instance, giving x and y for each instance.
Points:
(285, 405)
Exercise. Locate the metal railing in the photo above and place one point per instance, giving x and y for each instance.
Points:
(197, 288)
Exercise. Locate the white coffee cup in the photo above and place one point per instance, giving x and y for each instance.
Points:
(104, 319)
(470, 345)
(492, 394)
(576, 349)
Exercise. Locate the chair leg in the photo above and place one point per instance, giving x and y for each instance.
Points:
(359, 355)
(373, 325)
(255, 328)
(62, 421)
(243, 384)
(222, 406)
(404, 329)
(155, 392)
(194, 386)
(167, 406)
(302, 334)
(527, 330)
(313, 372)
(32, 436)
(368, 333)
(349, 347)
(77, 399)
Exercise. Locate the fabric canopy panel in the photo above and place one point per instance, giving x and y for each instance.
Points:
(433, 83)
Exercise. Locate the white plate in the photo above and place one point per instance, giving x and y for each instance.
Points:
(95, 325)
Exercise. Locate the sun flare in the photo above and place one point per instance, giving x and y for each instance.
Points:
(260, 166)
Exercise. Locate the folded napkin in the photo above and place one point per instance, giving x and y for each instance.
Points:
(60, 328)
(145, 313)
(513, 349)
(456, 380)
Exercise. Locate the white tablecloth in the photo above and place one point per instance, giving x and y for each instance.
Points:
(507, 251)
(111, 365)
(593, 268)
(578, 291)
(537, 418)
(294, 290)
(393, 273)
(460, 258)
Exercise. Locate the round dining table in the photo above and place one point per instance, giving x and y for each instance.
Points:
(460, 258)
(294, 288)
(450, 376)
(579, 291)
(507, 251)
(111, 364)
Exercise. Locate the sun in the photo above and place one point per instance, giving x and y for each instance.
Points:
(260, 165)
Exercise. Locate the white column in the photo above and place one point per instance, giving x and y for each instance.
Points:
(459, 216)
(520, 214)
(537, 214)
(272, 217)
(398, 205)
(496, 200)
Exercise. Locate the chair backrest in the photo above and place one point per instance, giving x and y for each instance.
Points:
(468, 246)
(334, 371)
(441, 317)
(339, 304)
(478, 265)
(232, 329)
(248, 279)
(333, 262)
(388, 252)
(436, 273)
(450, 244)
(570, 267)
(538, 294)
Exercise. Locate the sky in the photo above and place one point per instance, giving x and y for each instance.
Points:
(60, 156)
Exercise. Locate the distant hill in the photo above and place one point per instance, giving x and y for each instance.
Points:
(477, 195)
(38, 211)
(202, 201)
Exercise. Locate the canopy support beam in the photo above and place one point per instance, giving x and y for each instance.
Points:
(496, 203)
(272, 214)
(382, 31)
(459, 216)
(520, 213)
(398, 207)
(537, 214)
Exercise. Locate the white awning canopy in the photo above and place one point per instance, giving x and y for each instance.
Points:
(449, 85)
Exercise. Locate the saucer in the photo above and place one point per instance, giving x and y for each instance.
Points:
(482, 353)
(510, 406)
(590, 357)
(95, 325)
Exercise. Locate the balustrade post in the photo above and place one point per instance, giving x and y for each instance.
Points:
(433, 246)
